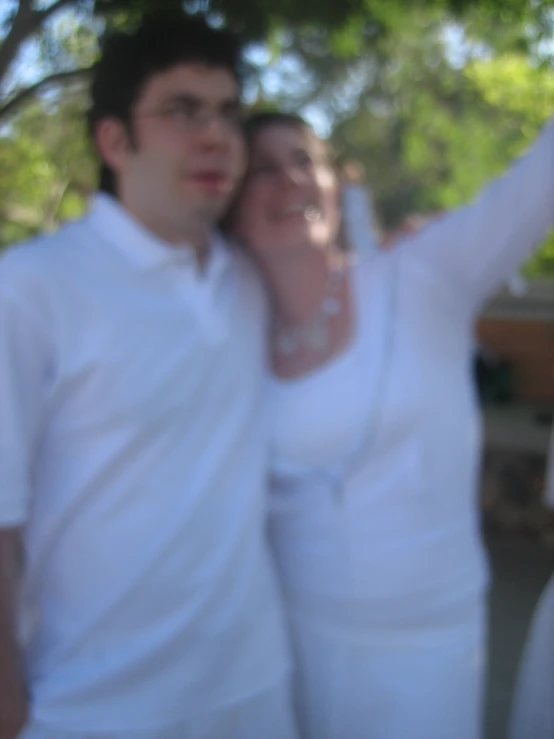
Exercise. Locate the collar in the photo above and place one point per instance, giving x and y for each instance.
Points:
(143, 248)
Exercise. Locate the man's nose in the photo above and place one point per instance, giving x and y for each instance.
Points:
(215, 132)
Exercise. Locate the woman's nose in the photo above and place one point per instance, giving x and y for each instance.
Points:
(292, 175)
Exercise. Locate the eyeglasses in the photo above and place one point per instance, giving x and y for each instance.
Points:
(191, 116)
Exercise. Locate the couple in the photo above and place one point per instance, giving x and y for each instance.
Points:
(137, 591)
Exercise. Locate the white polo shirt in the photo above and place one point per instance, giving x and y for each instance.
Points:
(132, 452)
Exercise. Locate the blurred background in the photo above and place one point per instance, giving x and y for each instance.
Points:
(425, 102)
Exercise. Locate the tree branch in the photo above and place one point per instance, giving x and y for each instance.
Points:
(24, 7)
(60, 78)
(56, 201)
(17, 33)
(25, 23)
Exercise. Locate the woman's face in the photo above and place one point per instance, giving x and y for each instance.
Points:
(289, 200)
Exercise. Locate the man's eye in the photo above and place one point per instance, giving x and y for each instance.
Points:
(182, 113)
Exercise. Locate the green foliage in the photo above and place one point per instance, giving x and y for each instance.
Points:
(431, 98)
(253, 18)
(429, 134)
(541, 263)
(47, 169)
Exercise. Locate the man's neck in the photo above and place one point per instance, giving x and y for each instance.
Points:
(195, 236)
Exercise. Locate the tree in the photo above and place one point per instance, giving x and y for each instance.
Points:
(48, 168)
(430, 133)
(445, 127)
(397, 94)
(344, 26)
(254, 19)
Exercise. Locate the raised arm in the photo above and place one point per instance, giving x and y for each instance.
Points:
(478, 247)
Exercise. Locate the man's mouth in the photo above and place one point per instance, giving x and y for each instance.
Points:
(212, 180)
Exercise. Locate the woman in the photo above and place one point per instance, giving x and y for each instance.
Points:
(376, 437)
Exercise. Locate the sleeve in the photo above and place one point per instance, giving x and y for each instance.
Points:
(25, 346)
(475, 249)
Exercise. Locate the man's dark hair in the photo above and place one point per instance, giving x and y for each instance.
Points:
(129, 60)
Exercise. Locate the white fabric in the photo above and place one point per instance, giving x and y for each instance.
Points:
(378, 690)
(268, 715)
(380, 529)
(133, 452)
(533, 706)
(359, 219)
(398, 542)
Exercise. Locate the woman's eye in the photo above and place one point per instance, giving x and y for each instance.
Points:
(304, 160)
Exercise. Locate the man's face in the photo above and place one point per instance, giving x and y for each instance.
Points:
(186, 156)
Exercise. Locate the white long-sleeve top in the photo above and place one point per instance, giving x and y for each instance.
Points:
(374, 515)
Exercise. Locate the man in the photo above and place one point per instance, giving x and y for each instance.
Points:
(131, 449)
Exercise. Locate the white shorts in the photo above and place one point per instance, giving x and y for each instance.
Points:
(369, 690)
(267, 715)
(533, 711)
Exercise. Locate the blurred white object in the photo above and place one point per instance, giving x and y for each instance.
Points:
(517, 285)
(359, 220)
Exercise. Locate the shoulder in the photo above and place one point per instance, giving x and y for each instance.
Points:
(394, 272)
(29, 271)
(40, 254)
(376, 265)
(249, 276)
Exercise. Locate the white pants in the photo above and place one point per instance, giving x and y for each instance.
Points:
(267, 715)
(533, 711)
(356, 690)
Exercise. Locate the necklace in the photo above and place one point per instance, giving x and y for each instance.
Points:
(314, 334)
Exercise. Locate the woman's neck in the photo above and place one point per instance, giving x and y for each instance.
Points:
(297, 283)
